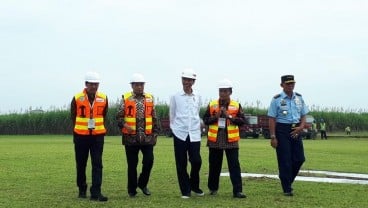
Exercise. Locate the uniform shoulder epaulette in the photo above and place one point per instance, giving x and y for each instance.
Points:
(277, 96)
(298, 94)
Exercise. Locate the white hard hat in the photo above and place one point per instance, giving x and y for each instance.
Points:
(189, 73)
(92, 77)
(136, 77)
(225, 83)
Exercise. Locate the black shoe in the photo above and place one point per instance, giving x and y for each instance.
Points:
(185, 196)
(198, 192)
(100, 198)
(82, 191)
(239, 195)
(213, 192)
(132, 194)
(288, 194)
(82, 194)
(145, 191)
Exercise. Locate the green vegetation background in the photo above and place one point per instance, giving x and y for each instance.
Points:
(59, 122)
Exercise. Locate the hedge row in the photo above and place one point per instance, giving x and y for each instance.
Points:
(59, 122)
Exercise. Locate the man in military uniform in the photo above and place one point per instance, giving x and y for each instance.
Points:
(287, 113)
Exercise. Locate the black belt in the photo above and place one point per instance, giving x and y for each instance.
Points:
(292, 125)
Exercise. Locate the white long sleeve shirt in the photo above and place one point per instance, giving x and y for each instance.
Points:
(184, 116)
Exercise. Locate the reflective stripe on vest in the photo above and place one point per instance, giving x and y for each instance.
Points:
(232, 130)
(84, 113)
(130, 110)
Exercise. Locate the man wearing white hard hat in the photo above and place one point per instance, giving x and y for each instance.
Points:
(88, 113)
(185, 124)
(137, 120)
(223, 117)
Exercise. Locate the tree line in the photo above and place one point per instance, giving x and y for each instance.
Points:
(59, 121)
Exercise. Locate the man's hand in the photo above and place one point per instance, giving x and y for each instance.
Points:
(274, 142)
(130, 130)
(296, 132)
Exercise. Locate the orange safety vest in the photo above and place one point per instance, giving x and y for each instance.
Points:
(85, 112)
(130, 110)
(232, 130)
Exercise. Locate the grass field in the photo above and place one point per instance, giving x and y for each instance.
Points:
(39, 171)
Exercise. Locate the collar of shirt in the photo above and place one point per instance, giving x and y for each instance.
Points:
(138, 96)
(191, 94)
(284, 95)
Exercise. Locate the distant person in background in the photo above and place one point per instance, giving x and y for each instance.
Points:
(322, 129)
(88, 112)
(287, 113)
(137, 119)
(186, 127)
(223, 117)
(314, 129)
(348, 130)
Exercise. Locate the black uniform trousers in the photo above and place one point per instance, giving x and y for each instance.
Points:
(132, 152)
(290, 155)
(323, 134)
(183, 150)
(83, 146)
(215, 165)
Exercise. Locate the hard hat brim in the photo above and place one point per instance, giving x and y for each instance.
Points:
(93, 81)
(188, 77)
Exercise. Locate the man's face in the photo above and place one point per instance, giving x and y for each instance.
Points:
(138, 88)
(288, 87)
(224, 93)
(187, 82)
(91, 88)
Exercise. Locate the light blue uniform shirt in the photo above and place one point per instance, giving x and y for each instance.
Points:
(287, 110)
(184, 116)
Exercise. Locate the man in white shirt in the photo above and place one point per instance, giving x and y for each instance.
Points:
(185, 124)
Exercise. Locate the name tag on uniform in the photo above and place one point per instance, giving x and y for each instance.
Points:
(91, 123)
(221, 123)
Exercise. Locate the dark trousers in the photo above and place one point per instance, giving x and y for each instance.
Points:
(323, 134)
(93, 145)
(215, 165)
(184, 150)
(290, 155)
(132, 152)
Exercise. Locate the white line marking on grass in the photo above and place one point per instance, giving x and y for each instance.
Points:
(316, 179)
(350, 175)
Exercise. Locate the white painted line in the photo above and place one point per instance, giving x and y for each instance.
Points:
(331, 180)
(351, 175)
(304, 178)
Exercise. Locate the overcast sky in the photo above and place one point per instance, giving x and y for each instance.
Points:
(46, 47)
